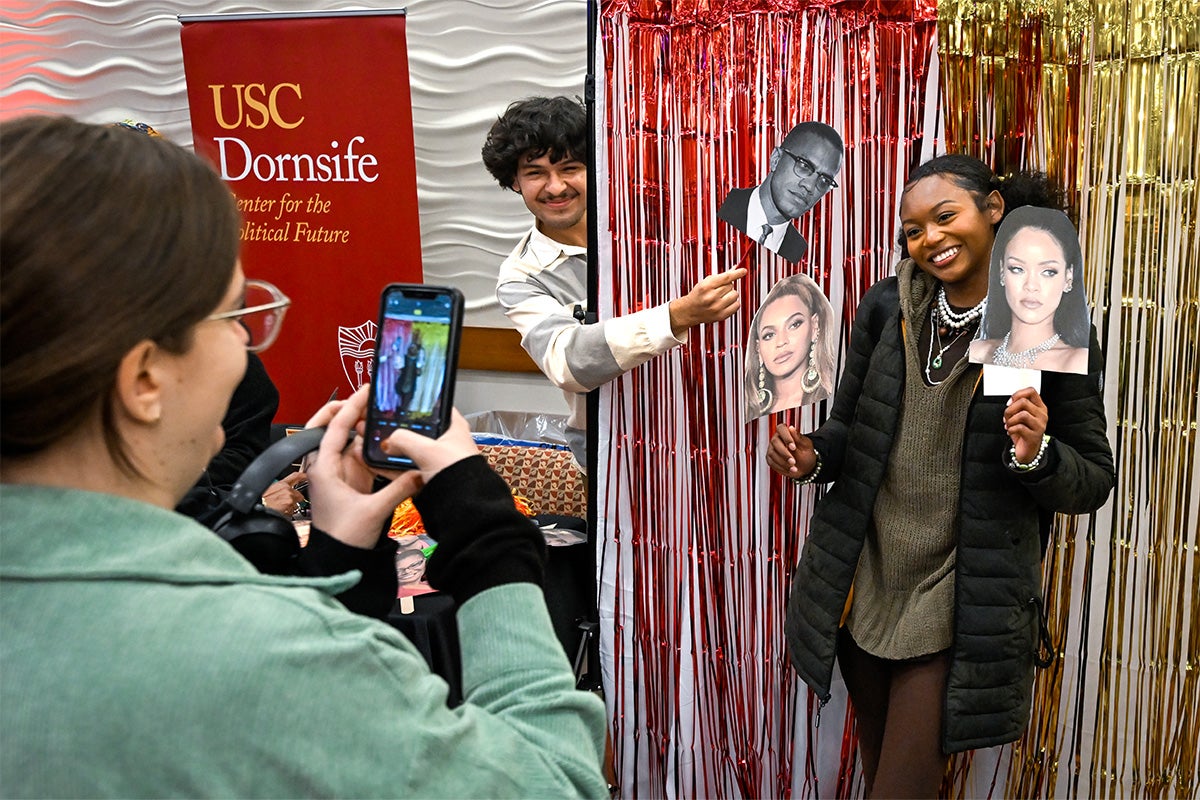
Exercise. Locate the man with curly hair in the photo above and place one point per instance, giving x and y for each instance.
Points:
(537, 148)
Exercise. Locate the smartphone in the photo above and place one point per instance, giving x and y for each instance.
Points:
(416, 359)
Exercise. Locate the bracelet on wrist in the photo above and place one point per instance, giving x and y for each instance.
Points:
(812, 475)
(1037, 460)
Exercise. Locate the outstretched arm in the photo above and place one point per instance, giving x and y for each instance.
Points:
(711, 300)
(545, 305)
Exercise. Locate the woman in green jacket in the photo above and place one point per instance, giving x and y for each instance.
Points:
(140, 655)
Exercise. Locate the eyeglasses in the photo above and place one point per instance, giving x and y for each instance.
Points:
(803, 168)
(261, 314)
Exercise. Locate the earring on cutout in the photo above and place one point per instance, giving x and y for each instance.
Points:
(1070, 284)
(765, 397)
(811, 380)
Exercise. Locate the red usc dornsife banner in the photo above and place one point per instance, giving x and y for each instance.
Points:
(308, 118)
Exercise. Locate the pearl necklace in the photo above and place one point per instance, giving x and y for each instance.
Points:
(952, 319)
(933, 362)
(1024, 359)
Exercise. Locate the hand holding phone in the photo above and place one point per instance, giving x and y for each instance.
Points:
(416, 361)
(340, 484)
(432, 457)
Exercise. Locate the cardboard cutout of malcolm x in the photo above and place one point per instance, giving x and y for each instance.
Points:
(803, 169)
(1037, 316)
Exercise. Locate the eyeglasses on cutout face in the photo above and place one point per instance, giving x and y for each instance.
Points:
(261, 314)
(803, 168)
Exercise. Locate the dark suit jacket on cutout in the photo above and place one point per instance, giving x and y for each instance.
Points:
(734, 211)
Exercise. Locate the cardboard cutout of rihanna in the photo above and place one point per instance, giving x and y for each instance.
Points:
(1037, 317)
(789, 357)
(803, 169)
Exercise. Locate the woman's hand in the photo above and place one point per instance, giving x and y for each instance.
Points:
(791, 454)
(1025, 423)
(433, 455)
(283, 496)
(339, 482)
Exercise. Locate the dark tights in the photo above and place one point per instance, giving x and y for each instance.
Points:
(898, 707)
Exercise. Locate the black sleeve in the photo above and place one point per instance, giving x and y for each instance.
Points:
(247, 424)
(1077, 474)
(375, 594)
(203, 502)
(483, 540)
(870, 318)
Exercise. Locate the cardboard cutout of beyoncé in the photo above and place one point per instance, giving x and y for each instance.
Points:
(789, 357)
(1037, 317)
(803, 168)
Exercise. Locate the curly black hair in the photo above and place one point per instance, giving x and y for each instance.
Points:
(532, 128)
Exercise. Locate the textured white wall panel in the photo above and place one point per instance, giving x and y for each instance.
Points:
(105, 61)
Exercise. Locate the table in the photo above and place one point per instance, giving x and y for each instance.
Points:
(433, 630)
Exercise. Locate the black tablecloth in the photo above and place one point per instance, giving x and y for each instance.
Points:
(570, 598)
(433, 630)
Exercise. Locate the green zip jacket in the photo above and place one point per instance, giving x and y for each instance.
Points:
(140, 656)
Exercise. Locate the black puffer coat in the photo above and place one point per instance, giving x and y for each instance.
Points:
(1003, 523)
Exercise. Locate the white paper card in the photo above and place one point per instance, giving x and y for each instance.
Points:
(1006, 380)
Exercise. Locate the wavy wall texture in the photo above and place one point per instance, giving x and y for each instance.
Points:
(103, 61)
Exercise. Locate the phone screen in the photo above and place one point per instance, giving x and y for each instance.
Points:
(416, 351)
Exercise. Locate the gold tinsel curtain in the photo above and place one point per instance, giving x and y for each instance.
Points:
(697, 543)
(1103, 96)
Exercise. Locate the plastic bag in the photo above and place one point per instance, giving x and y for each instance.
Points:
(518, 427)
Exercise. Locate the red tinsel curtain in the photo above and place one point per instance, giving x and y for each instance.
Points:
(700, 541)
